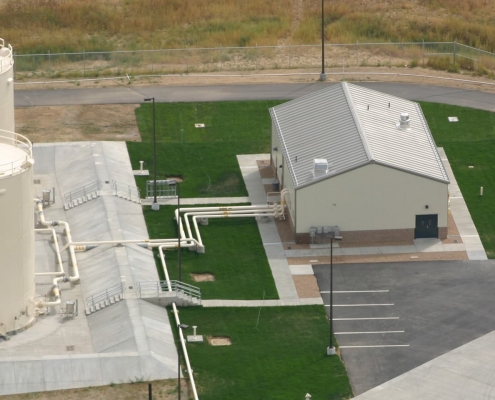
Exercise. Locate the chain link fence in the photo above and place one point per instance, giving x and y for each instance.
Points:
(450, 56)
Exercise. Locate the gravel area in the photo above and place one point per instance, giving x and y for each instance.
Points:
(306, 286)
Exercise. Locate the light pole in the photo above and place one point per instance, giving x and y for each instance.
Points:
(331, 349)
(155, 206)
(179, 222)
(180, 327)
(323, 76)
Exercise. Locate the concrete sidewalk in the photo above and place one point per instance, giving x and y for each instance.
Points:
(462, 217)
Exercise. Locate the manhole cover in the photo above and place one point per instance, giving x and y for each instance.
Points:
(70, 348)
(219, 341)
(203, 277)
(37, 181)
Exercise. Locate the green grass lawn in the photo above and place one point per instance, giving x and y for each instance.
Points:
(283, 357)
(234, 254)
(471, 141)
(204, 157)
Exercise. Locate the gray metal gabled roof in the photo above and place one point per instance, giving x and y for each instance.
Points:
(351, 126)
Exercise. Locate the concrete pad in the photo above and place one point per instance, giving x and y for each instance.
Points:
(350, 251)
(369, 250)
(407, 249)
(388, 249)
(463, 373)
(301, 269)
(57, 352)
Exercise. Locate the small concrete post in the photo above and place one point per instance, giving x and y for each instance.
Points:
(194, 327)
(307, 397)
(481, 190)
(141, 163)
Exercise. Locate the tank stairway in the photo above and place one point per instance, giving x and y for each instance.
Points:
(105, 298)
(126, 192)
(164, 294)
(82, 195)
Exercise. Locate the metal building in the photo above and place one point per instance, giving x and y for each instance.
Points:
(361, 160)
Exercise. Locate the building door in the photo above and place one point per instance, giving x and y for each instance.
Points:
(426, 226)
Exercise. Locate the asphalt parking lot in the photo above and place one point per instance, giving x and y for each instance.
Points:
(390, 318)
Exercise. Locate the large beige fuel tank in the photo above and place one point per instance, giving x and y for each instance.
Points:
(17, 287)
(7, 118)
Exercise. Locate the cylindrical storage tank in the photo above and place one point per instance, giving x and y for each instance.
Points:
(17, 286)
(7, 118)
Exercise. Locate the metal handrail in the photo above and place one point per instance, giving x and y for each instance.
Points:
(21, 142)
(125, 190)
(160, 288)
(106, 294)
(82, 191)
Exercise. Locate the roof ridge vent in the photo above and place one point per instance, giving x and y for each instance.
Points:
(404, 121)
(320, 167)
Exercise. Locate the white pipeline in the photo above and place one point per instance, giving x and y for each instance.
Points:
(229, 215)
(56, 293)
(60, 271)
(226, 212)
(147, 242)
(184, 351)
(41, 217)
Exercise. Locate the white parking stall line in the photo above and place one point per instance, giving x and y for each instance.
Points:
(355, 291)
(378, 345)
(362, 319)
(359, 305)
(360, 333)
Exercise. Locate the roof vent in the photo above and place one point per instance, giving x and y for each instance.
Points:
(320, 167)
(404, 122)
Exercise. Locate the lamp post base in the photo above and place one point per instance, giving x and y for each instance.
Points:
(323, 77)
(330, 351)
(155, 206)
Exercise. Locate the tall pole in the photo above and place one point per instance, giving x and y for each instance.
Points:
(178, 235)
(331, 294)
(323, 76)
(178, 366)
(155, 206)
(331, 348)
(155, 202)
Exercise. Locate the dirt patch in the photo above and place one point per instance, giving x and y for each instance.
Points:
(78, 123)
(452, 231)
(176, 178)
(203, 277)
(306, 286)
(162, 390)
(219, 340)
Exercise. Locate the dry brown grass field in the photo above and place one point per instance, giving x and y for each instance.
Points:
(36, 26)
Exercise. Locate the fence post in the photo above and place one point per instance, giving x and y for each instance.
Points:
(357, 53)
(289, 55)
(49, 60)
(187, 60)
(221, 56)
(454, 50)
(257, 54)
(84, 62)
(423, 52)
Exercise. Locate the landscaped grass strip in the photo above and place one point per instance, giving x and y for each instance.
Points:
(277, 353)
(469, 142)
(234, 255)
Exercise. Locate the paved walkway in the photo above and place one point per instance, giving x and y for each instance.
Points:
(197, 201)
(462, 217)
